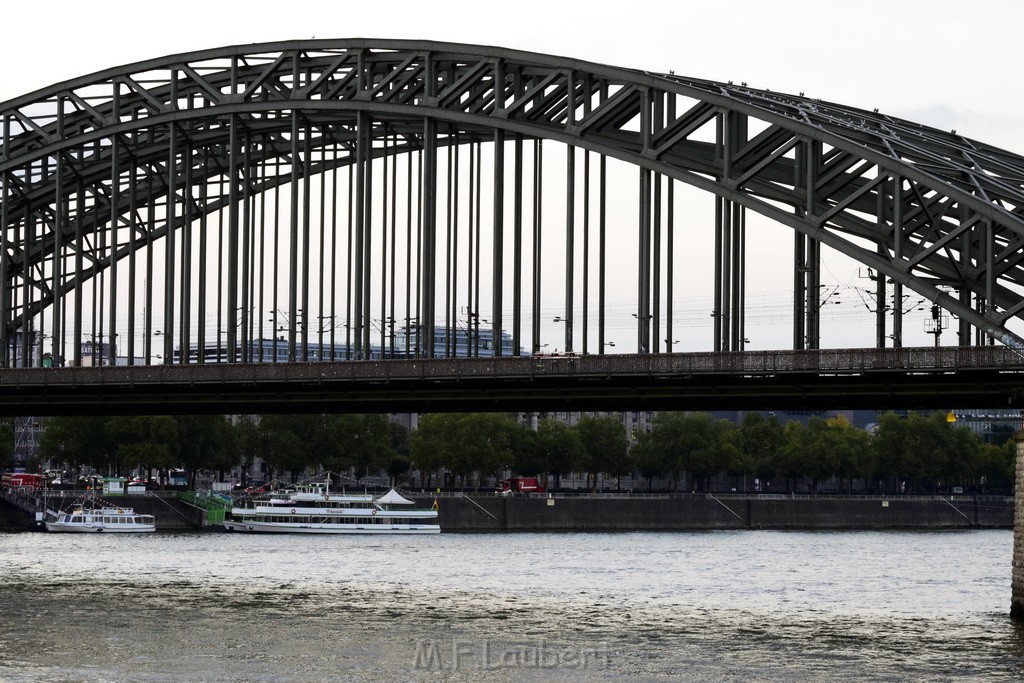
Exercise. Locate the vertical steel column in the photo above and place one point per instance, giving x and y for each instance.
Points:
(570, 237)
(990, 278)
(670, 257)
(426, 255)
(656, 271)
(477, 258)
(79, 239)
(366, 286)
(644, 264)
(720, 222)
(498, 251)
(538, 192)
(384, 187)
(738, 285)
(644, 260)
(724, 304)
(307, 179)
(570, 214)
(184, 317)
(59, 222)
(670, 114)
(293, 244)
(6, 310)
(426, 337)
(882, 217)
(602, 248)
(897, 296)
(813, 294)
(170, 268)
(27, 331)
(967, 254)
(473, 303)
(801, 178)
(452, 250)
(739, 137)
(394, 245)
(420, 211)
(245, 295)
(585, 280)
(880, 302)
(204, 214)
(408, 253)
(358, 230)
(115, 211)
(517, 248)
(334, 249)
(352, 219)
(657, 123)
(585, 322)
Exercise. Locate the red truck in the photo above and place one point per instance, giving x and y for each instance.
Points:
(521, 485)
(23, 481)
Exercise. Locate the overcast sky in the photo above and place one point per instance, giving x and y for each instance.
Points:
(942, 63)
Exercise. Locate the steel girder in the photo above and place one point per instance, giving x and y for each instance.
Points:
(932, 211)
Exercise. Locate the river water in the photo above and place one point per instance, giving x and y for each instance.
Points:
(710, 606)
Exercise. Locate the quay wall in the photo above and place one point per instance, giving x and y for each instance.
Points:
(495, 513)
(488, 512)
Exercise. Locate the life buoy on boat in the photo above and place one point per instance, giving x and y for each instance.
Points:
(293, 511)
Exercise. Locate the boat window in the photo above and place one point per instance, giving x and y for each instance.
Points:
(77, 519)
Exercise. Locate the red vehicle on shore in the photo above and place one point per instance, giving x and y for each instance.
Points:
(521, 485)
(23, 481)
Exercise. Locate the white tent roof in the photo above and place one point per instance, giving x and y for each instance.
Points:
(393, 498)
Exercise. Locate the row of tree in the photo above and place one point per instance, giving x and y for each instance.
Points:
(456, 450)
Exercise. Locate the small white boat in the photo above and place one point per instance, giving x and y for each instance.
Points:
(111, 520)
(313, 509)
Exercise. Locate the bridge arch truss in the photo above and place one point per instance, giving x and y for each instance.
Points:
(363, 197)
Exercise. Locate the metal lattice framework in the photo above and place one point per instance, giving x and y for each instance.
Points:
(320, 180)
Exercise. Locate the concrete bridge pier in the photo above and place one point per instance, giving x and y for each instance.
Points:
(1017, 576)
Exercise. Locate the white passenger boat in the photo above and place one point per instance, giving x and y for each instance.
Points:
(314, 509)
(111, 520)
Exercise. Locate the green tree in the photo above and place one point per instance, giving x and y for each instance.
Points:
(282, 441)
(144, 441)
(557, 449)
(996, 466)
(648, 458)
(399, 460)
(605, 444)
(761, 440)
(465, 443)
(77, 441)
(207, 442)
(924, 450)
(431, 443)
(484, 443)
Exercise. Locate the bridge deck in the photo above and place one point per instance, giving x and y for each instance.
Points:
(834, 378)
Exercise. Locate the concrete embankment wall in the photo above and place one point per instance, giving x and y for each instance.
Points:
(494, 513)
(497, 513)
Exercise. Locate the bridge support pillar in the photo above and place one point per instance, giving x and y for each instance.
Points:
(1017, 576)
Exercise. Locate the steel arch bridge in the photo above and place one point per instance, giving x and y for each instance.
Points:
(373, 198)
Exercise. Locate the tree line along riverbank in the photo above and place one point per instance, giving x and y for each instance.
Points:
(681, 452)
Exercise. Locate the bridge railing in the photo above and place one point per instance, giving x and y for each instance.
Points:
(822, 361)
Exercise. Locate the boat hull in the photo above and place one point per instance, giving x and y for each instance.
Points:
(60, 527)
